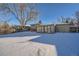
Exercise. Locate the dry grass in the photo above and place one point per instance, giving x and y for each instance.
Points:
(5, 28)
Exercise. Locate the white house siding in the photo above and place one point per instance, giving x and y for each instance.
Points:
(62, 28)
(52, 28)
(49, 29)
(42, 29)
(56, 28)
(39, 28)
(46, 28)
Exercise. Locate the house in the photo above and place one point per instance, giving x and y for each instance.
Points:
(67, 27)
(46, 28)
(62, 27)
(74, 28)
(34, 26)
(51, 28)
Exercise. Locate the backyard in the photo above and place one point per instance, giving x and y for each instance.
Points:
(66, 43)
(28, 29)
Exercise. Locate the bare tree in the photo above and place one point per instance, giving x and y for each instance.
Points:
(77, 16)
(67, 20)
(22, 12)
(62, 19)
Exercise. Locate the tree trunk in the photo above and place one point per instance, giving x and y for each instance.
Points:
(22, 26)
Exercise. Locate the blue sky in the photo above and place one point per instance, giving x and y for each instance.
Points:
(49, 13)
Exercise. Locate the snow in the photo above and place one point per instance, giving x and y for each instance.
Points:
(27, 49)
(17, 39)
(66, 44)
(20, 44)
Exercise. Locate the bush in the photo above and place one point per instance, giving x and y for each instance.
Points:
(20, 28)
(5, 28)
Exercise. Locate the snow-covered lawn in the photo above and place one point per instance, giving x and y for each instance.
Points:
(65, 43)
(21, 44)
(17, 39)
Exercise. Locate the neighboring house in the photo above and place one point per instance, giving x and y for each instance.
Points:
(46, 28)
(75, 28)
(67, 28)
(34, 26)
(62, 27)
(58, 28)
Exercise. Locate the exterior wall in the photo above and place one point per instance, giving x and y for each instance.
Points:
(74, 29)
(34, 27)
(42, 28)
(46, 28)
(49, 29)
(62, 28)
(39, 28)
(56, 28)
(52, 28)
